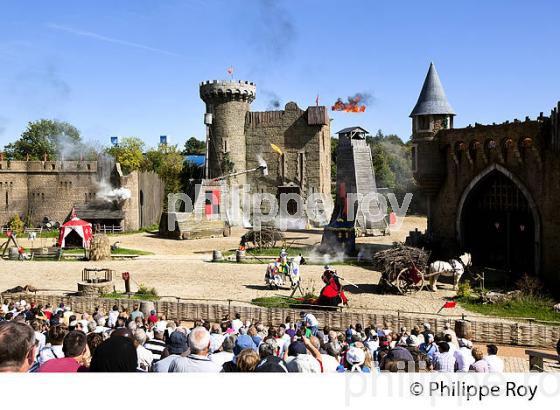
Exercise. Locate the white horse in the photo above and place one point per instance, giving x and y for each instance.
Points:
(454, 268)
(274, 277)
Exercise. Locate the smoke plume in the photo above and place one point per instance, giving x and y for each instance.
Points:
(275, 31)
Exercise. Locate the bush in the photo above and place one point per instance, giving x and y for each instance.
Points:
(464, 290)
(529, 285)
(145, 291)
(16, 224)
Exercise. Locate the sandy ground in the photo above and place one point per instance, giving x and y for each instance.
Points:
(183, 268)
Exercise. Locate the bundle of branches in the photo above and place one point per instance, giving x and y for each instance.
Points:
(266, 237)
(391, 261)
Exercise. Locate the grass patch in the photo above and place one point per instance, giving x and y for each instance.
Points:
(119, 251)
(540, 308)
(275, 302)
(135, 296)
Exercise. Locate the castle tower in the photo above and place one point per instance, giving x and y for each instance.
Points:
(228, 102)
(432, 111)
(431, 114)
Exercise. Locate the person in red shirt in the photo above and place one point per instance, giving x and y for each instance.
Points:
(332, 293)
(152, 319)
(76, 353)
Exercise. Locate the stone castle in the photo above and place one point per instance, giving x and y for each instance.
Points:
(240, 139)
(48, 190)
(492, 189)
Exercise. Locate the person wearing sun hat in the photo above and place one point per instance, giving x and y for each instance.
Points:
(355, 358)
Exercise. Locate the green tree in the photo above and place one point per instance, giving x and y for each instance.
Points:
(43, 137)
(167, 162)
(129, 153)
(194, 146)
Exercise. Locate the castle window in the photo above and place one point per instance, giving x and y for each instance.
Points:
(89, 167)
(43, 197)
(53, 167)
(414, 158)
(423, 122)
(7, 199)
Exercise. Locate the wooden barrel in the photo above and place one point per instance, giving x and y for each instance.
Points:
(240, 256)
(13, 253)
(146, 306)
(217, 255)
(463, 329)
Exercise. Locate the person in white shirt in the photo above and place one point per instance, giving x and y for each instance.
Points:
(330, 364)
(237, 323)
(463, 356)
(40, 338)
(225, 354)
(310, 321)
(145, 357)
(113, 316)
(495, 364)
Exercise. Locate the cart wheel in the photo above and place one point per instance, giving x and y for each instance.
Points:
(405, 286)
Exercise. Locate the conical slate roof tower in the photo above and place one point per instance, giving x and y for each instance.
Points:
(432, 99)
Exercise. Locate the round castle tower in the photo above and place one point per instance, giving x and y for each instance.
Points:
(228, 102)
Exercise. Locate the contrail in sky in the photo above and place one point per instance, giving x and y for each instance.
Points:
(110, 40)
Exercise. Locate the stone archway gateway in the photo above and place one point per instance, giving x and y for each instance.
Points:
(498, 222)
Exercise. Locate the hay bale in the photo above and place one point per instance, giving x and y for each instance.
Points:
(100, 247)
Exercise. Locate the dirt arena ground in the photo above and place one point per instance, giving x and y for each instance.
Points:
(183, 268)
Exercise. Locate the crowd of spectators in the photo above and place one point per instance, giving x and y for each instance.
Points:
(55, 339)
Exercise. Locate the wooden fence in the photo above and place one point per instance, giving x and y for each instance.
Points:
(482, 330)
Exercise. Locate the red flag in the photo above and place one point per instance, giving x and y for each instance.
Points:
(230, 70)
(317, 100)
(449, 305)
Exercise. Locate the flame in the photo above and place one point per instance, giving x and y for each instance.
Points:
(354, 104)
(276, 148)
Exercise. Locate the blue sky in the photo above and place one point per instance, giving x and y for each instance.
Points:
(133, 67)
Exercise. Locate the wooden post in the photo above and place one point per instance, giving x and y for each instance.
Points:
(126, 278)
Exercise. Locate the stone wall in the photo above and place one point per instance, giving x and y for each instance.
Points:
(51, 188)
(450, 161)
(306, 148)
(44, 188)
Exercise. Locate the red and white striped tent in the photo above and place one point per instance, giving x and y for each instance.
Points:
(74, 230)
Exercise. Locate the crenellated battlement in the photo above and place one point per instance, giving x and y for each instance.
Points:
(224, 90)
(49, 166)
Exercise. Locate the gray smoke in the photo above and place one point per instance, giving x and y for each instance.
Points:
(273, 100)
(275, 32)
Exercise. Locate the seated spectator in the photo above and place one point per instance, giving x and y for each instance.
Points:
(176, 347)
(300, 361)
(156, 345)
(197, 361)
(93, 341)
(53, 348)
(225, 353)
(330, 363)
(39, 335)
(237, 323)
(444, 360)
(116, 354)
(242, 342)
(355, 358)
(480, 365)
(216, 338)
(429, 348)
(463, 356)
(495, 364)
(247, 361)
(76, 355)
(17, 347)
(269, 362)
(145, 357)
(400, 354)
